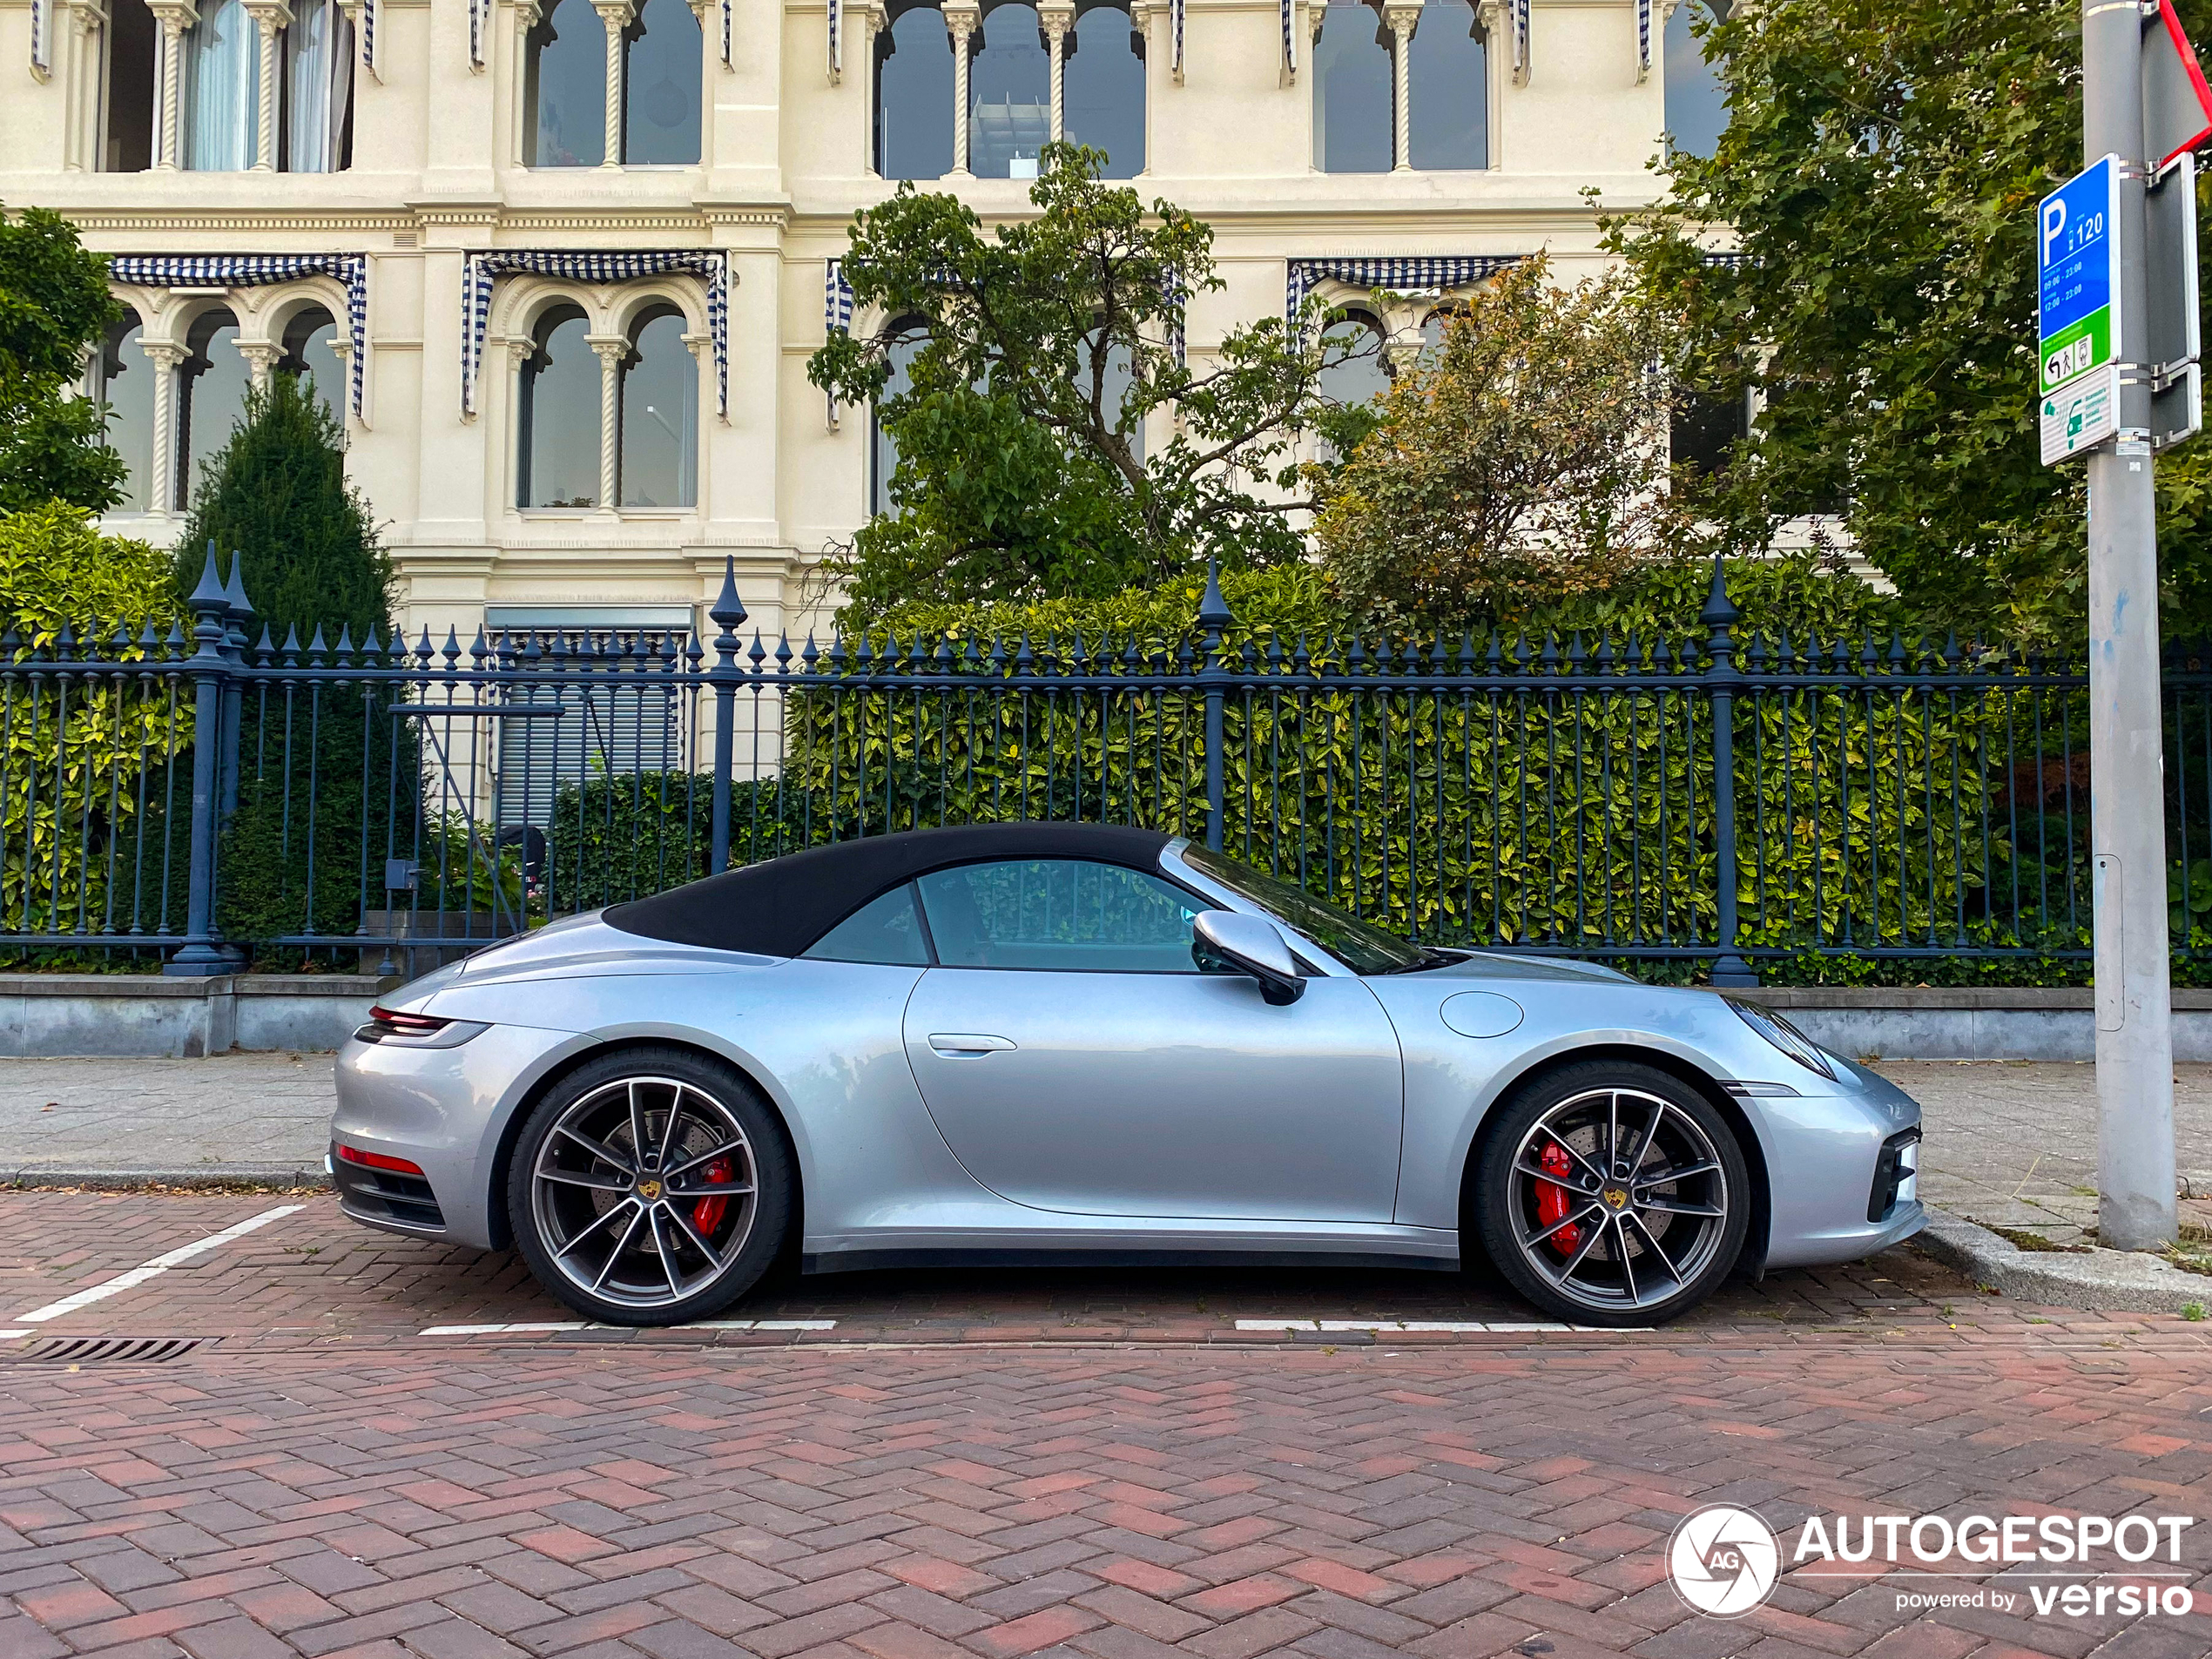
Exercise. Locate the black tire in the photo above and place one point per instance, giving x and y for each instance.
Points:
(1572, 1245)
(697, 1233)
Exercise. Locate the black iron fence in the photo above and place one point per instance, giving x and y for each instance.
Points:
(207, 801)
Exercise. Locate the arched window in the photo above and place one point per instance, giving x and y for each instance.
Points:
(1362, 372)
(660, 414)
(123, 380)
(1104, 89)
(565, 86)
(883, 459)
(559, 415)
(310, 348)
(1009, 95)
(318, 123)
(1696, 106)
(1448, 77)
(1354, 106)
(664, 60)
(133, 43)
(1434, 326)
(211, 395)
(914, 96)
(216, 126)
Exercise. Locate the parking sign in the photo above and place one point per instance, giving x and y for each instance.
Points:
(2078, 307)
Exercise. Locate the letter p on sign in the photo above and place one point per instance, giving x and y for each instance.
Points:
(2053, 222)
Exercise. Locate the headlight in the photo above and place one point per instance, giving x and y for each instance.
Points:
(1784, 1035)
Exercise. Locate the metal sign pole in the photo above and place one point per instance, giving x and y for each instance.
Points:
(2126, 816)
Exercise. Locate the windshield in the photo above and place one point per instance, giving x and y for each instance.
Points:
(1360, 946)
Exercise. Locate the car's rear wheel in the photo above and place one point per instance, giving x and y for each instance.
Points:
(1611, 1194)
(650, 1187)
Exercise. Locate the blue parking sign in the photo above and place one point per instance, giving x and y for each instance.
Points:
(2077, 264)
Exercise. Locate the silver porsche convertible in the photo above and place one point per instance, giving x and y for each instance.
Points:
(1066, 1042)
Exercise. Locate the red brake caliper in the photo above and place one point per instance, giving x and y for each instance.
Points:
(1551, 1198)
(706, 1214)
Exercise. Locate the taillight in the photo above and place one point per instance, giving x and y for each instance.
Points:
(418, 1030)
(389, 1023)
(378, 1160)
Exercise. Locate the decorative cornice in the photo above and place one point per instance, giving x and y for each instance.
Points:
(229, 219)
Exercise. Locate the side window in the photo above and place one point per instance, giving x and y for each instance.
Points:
(1064, 913)
(884, 930)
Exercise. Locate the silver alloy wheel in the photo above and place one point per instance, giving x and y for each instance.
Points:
(1618, 1199)
(644, 1191)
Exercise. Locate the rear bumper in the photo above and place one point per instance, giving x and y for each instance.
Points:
(445, 1111)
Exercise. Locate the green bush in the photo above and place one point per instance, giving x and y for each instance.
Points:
(89, 758)
(1566, 810)
(613, 838)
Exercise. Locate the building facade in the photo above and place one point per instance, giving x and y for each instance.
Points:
(559, 264)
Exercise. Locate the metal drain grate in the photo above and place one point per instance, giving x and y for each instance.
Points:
(103, 1351)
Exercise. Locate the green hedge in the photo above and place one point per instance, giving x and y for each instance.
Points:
(1546, 814)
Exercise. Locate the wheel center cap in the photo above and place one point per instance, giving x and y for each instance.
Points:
(649, 1189)
(1617, 1196)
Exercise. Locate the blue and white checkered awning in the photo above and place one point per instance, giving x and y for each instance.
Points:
(711, 266)
(259, 270)
(1399, 273)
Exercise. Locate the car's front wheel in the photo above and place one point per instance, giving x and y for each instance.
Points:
(650, 1187)
(1611, 1194)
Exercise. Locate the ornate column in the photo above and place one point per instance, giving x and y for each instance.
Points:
(1058, 18)
(260, 360)
(616, 14)
(341, 395)
(962, 18)
(269, 15)
(165, 358)
(1402, 20)
(82, 77)
(174, 16)
(612, 349)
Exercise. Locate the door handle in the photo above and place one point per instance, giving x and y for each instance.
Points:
(967, 1046)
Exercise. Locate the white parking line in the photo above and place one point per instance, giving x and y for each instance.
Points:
(155, 1268)
(9, 1335)
(1460, 1326)
(521, 1327)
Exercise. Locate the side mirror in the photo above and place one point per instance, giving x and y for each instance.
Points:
(1251, 945)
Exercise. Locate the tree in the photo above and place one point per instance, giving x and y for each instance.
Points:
(1523, 460)
(1022, 469)
(54, 305)
(325, 770)
(276, 496)
(1878, 176)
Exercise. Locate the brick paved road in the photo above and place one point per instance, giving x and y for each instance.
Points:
(990, 1466)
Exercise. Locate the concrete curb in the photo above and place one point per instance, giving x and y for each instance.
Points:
(209, 1177)
(2115, 1281)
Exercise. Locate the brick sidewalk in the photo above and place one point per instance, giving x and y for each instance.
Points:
(991, 1504)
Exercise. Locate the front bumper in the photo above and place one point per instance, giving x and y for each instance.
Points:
(1828, 1158)
(445, 1111)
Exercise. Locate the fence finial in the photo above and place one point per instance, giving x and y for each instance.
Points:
(1720, 611)
(1214, 614)
(209, 594)
(728, 609)
(234, 590)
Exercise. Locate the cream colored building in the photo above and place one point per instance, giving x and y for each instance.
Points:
(365, 184)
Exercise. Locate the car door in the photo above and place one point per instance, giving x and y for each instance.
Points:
(1076, 1060)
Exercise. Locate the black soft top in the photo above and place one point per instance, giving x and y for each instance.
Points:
(780, 907)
